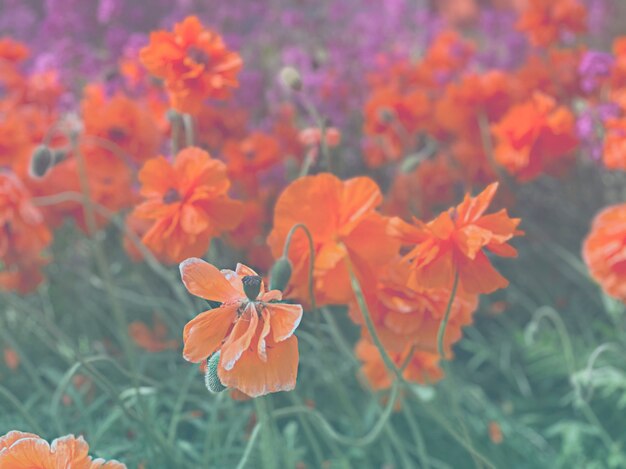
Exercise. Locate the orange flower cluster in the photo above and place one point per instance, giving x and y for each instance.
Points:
(19, 450)
(194, 63)
(407, 296)
(251, 330)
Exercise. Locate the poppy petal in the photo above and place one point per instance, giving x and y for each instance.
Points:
(284, 320)
(256, 378)
(206, 281)
(204, 334)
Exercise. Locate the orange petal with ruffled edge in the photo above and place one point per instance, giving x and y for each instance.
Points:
(255, 377)
(206, 281)
(240, 338)
(204, 334)
(284, 320)
(156, 177)
(11, 437)
(472, 208)
(479, 276)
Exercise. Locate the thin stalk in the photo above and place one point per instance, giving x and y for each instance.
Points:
(444, 323)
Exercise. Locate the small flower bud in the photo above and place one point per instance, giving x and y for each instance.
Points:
(280, 274)
(386, 115)
(251, 286)
(211, 380)
(40, 162)
(290, 78)
(172, 115)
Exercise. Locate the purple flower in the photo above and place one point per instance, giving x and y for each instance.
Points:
(594, 66)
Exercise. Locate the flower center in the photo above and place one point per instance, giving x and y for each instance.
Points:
(251, 286)
(198, 55)
(171, 196)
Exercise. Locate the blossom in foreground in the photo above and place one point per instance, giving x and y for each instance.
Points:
(535, 137)
(187, 203)
(194, 63)
(455, 243)
(604, 250)
(19, 450)
(251, 330)
(342, 219)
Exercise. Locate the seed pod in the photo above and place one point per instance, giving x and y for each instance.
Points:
(211, 380)
(290, 78)
(252, 286)
(280, 274)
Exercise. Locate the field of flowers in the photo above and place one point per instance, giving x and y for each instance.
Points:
(312, 234)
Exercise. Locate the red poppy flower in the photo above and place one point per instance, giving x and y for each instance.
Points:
(194, 63)
(604, 250)
(342, 219)
(251, 330)
(454, 243)
(187, 202)
(19, 450)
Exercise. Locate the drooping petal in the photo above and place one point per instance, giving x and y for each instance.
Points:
(240, 338)
(284, 320)
(479, 276)
(206, 281)
(204, 334)
(256, 378)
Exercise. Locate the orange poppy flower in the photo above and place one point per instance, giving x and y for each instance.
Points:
(342, 219)
(19, 450)
(392, 117)
(423, 367)
(194, 63)
(425, 191)
(23, 236)
(252, 331)
(121, 121)
(534, 137)
(546, 20)
(407, 316)
(187, 202)
(247, 157)
(215, 125)
(604, 250)
(614, 144)
(454, 242)
(151, 339)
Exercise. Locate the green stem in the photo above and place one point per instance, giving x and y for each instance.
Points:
(360, 298)
(293, 229)
(268, 446)
(446, 317)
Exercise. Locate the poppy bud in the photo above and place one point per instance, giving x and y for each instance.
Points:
(280, 274)
(251, 286)
(386, 115)
(40, 162)
(43, 160)
(172, 115)
(411, 162)
(211, 380)
(290, 78)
